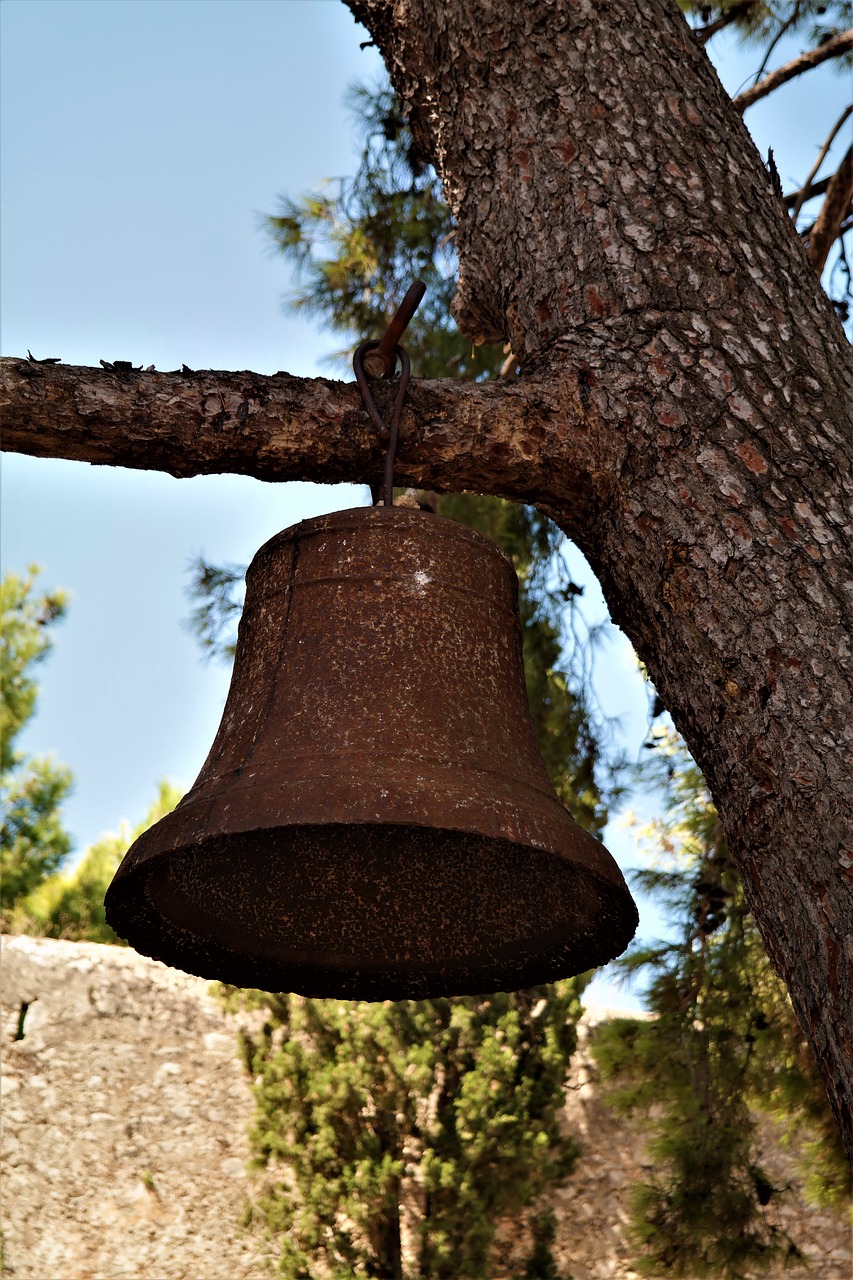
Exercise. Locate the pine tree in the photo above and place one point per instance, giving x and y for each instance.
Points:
(353, 1171)
(33, 841)
(723, 1024)
(814, 23)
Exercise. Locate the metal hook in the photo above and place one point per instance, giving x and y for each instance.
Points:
(379, 360)
(391, 435)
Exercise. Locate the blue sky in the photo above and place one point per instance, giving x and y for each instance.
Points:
(142, 141)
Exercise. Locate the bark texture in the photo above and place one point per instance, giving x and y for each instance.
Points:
(683, 412)
(517, 440)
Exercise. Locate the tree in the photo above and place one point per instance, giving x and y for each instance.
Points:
(826, 26)
(396, 1136)
(682, 413)
(353, 272)
(71, 904)
(33, 841)
(724, 1026)
(704, 1210)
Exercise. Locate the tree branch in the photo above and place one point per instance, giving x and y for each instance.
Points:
(704, 34)
(768, 53)
(834, 48)
(454, 435)
(796, 199)
(808, 190)
(833, 211)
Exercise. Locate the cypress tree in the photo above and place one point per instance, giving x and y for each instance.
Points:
(396, 1136)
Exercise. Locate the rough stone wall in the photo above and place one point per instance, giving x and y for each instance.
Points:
(124, 1120)
(124, 1147)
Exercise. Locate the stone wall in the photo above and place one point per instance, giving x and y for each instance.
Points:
(124, 1147)
(124, 1120)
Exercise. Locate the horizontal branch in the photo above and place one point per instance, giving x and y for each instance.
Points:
(833, 48)
(796, 199)
(454, 435)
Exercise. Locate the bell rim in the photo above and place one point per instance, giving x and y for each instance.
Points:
(304, 802)
(540, 957)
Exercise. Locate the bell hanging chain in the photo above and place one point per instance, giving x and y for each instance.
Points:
(373, 360)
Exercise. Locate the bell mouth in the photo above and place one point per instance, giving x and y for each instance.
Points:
(371, 912)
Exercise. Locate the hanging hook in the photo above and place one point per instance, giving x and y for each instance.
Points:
(379, 360)
(391, 434)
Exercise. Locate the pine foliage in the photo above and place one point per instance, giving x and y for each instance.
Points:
(358, 243)
(721, 1042)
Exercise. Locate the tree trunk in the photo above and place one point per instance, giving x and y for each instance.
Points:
(615, 224)
(683, 412)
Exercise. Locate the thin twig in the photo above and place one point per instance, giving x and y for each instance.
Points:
(704, 34)
(834, 48)
(786, 26)
(803, 194)
(809, 192)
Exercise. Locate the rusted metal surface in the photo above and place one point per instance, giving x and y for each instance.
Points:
(380, 362)
(392, 433)
(374, 820)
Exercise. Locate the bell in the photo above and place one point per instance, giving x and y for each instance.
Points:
(374, 820)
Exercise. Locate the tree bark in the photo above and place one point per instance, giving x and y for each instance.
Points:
(683, 412)
(511, 439)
